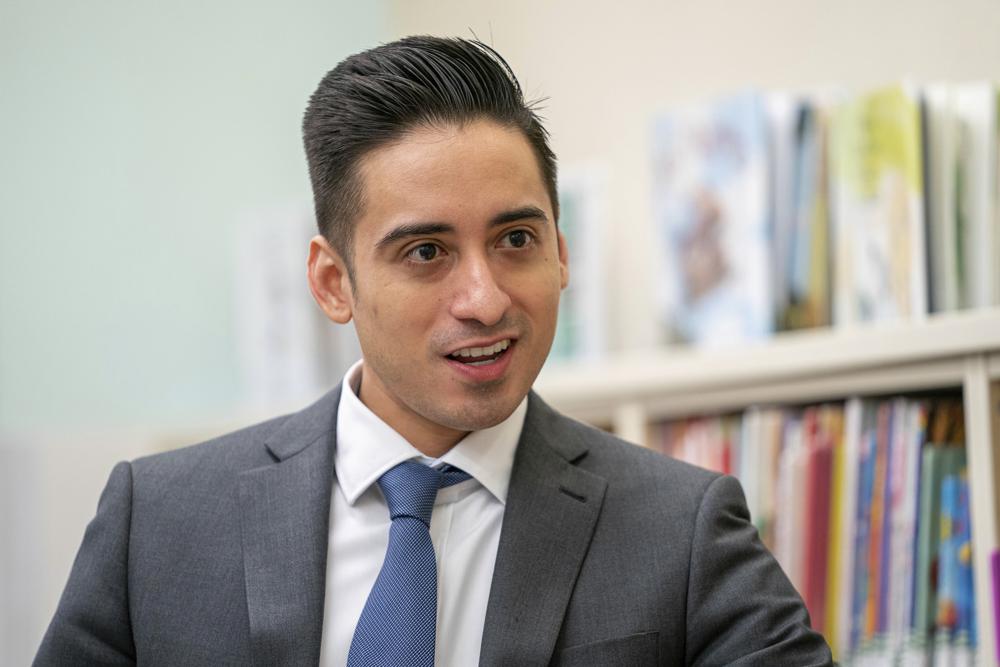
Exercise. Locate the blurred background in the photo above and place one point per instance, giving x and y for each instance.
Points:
(155, 203)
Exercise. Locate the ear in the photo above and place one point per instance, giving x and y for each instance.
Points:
(563, 261)
(329, 281)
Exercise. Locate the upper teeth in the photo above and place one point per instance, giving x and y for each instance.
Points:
(496, 348)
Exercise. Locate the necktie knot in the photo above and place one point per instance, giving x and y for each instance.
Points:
(411, 487)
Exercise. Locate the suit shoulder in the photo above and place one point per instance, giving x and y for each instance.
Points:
(636, 477)
(643, 488)
(238, 450)
(613, 457)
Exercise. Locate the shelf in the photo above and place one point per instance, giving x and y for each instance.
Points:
(955, 350)
(792, 367)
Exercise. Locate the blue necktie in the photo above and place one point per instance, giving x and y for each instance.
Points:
(397, 625)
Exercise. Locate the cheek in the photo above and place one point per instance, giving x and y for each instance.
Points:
(404, 318)
(541, 298)
(393, 314)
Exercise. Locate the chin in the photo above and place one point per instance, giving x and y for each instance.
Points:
(478, 417)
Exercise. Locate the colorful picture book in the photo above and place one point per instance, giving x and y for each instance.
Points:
(879, 270)
(710, 188)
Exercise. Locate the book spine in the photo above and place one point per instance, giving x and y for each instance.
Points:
(866, 474)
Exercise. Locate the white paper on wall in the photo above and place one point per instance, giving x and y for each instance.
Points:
(288, 350)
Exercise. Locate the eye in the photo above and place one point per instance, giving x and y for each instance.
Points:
(518, 238)
(425, 252)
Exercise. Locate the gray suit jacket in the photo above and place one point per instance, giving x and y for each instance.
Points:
(609, 555)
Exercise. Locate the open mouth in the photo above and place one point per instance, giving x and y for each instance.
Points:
(482, 356)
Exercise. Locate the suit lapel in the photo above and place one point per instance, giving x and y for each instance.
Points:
(552, 509)
(285, 509)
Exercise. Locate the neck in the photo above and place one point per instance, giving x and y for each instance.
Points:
(432, 442)
(430, 439)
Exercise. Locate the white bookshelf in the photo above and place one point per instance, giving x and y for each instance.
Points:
(959, 351)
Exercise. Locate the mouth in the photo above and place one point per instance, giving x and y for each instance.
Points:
(483, 356)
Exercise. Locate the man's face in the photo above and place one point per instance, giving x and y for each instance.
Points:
(458, 267)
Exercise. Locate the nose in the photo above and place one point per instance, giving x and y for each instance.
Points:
(478, 295)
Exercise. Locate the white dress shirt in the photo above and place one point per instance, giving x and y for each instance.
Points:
(465, 525)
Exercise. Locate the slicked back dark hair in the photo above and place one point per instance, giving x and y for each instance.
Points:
(373, 98)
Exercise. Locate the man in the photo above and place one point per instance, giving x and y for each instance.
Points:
(284, 544)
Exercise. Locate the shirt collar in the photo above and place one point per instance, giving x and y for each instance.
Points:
(367, 447)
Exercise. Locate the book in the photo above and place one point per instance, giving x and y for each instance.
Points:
(875, 599)
(710, 207)
(771, 441)
(791, 520)
(581, 331)
(818, 463)
(748, 470)
(916, 436)
(933, 467)
(908, 436)
(975, 106)
(945, 242)
(863, 528)
(843, 643)
(832, 418)
(956, 619)
(925, 567)
(893, 583)
(878, 187)
(807, 264)
(781, 111)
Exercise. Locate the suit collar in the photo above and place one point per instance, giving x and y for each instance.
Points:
(552, 510)
(305, 427)
(547, 425)
(285, 510)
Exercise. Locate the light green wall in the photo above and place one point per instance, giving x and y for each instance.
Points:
(133, 138)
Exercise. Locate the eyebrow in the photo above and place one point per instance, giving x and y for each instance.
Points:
(427, 228)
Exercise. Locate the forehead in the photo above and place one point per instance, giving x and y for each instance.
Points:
(457, 174)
